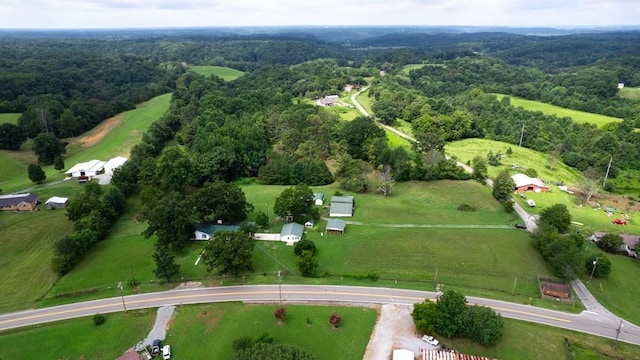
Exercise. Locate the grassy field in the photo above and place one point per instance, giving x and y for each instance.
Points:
(466, 150)
(226, 73)
(111, 138)
(396, 141)
(78, 338)
(627, 92)
(548, 109)
(226, 322)
(407, 68)
(523, 340)
(11, 118)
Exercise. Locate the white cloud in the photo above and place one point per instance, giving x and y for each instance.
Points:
(166, 13)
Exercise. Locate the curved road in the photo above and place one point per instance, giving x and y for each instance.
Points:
(587, 322)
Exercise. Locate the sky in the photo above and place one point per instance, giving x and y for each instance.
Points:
(88, 14)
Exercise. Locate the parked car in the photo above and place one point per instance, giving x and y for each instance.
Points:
(531, 203)
(520, 226)
(430, 340)
(155, 347)
(166, 352)
(619, 221)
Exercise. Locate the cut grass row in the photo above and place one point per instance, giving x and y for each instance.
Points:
(11, 118)
(225, 73)
(548, 109)
(208, 331)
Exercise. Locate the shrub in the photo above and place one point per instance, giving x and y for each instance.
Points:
(530, 172)
(335, 319)
(280, 313)
(466, 207)
(98, 319)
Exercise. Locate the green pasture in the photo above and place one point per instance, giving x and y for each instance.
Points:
(11, 118)
(226, 73)
(404, 126)
(407, 68)
(395, 141)
(522, 340)
(548, 109)
(366, 101)
(223, 323)
(627, 182)
(118, 142)
(345, 113)
(627, 92)
(78, 338)
(466, 150)
(615, 292)
(26, 247)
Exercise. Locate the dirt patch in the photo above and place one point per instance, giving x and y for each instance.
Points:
(100, 131)
(189, 285)
(394, 330)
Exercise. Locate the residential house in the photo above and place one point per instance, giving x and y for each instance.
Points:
(86, 169)
(291, 232)
(205, 231)
(525, 183)
(19, 202)
(56, 202)
(329, 100)
(628, 246)
(341, 206)
(318, 199)
(336, 226)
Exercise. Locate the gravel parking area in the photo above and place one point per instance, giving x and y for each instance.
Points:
(159, 331)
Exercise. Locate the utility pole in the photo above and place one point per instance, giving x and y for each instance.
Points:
(593, 269)
(618, 330)
(521, 135)
(607, 174)
(121, 287)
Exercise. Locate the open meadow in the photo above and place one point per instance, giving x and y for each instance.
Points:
(465, 150)
(632, 93)
(10, 118)
(548, 109)
(226, 73)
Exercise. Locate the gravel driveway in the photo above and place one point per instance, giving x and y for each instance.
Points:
(159, 330)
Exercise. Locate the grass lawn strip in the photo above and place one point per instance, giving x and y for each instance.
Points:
(11, 118)
(226, 73)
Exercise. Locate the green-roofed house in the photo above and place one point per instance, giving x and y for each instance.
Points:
(205, 231)
(291, 233)
(336, 226)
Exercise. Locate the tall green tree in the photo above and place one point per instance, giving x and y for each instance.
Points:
(557, 216)
(35, 173)
(599, 265)
(58, 163)
(610, 243)
(175, 170)
(166, 266)
(425, 316)
(451, 308)
(483, 325)
(479, 168)
(47, 147)
(229, 252)
(296, 202)
(503, 186)
(170, 218)
(220, 201)
(11, 136)
(307, 263)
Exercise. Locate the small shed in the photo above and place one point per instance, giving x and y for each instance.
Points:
(403, 354)
(557, 290)
(291, 232)
(318, 199)
(309, 224)
(56, 202)
(341, 206)
(336, 226)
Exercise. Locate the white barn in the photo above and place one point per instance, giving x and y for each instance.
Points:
(113, 164)
(89, 168)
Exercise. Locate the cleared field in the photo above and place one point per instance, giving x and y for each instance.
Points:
(11, 118)
(627, 92)
(407, 68)
(395, 141)
(78, 338)
(466, 150)
(113, 137)
(11, 168)
(226, 73)
(548, 109)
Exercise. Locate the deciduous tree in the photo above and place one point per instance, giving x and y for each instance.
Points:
(503, 186)
(557, 216)
(425, 316)
(47, 147)
(451, 308)
(166, 266)
(36, 174)
(296, 202)
(602, 267)
(229, 252)
(610, 243)
(307, 263)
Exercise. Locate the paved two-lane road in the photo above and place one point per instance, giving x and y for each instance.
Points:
(588, 322)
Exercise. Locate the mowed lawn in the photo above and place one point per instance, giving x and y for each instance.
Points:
(466, 150)
(548, 109)
(208, 331)
(11, 118)
(26, 248)
(627, 92)
(78, 338)
(11, 169)
(226, 73)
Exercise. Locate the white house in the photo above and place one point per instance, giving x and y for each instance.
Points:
(89, 168)
(291, 232)
(205, 231)
(341, 206)
(113, 164)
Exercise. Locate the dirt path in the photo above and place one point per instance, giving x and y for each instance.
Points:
(100, 131)
(394, 330)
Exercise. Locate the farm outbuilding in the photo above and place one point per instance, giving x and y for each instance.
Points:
(113, 164)
(89, 168)
(403, 354)
(291, 232)
(318, 199)
(524, 183)
(336, 226)
(19, 202)
(56, 202)
(341, 206)
(629, 242)
(556, 290)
